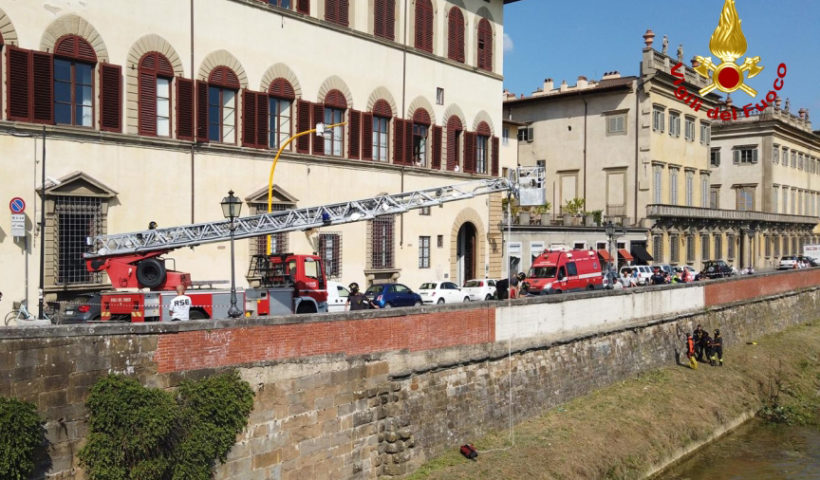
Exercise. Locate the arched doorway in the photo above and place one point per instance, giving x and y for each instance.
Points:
(466, 253)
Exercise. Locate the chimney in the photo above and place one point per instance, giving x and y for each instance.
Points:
(547, 85)
(612, 74)
(582, 82)
(564, 86)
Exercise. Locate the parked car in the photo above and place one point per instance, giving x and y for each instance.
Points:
(336, 296)
(442, 292)
(716, 269)
(665, 268)
(787, 262)
(644, 273)
(387, 295)
(479, 289)
(84, 309)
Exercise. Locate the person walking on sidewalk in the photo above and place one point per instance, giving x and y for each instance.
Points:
(716, 359)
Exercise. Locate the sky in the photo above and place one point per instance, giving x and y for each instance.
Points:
(562, 39)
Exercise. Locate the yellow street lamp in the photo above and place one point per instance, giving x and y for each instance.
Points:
(320, 129)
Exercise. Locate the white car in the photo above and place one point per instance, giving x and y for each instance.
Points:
(336, 296)
(479, 289)
(441, 292)
(644, 273)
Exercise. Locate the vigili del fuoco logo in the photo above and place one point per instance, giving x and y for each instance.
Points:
(728, 44)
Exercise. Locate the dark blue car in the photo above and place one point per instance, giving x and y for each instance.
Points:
(387, 295)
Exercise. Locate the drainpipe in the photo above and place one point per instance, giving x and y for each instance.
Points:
(586, 107)
(193, 167)
(403, 100)
(637, 149)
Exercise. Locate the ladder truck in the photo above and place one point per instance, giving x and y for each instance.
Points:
(143, 285)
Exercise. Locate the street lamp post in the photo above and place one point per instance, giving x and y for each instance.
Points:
(752, 233)
(231, 206)
(321, 129)
(610, 233)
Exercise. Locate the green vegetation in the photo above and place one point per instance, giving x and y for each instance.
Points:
(139, 433)
(21, 433)
(627, 429)
(574, 206)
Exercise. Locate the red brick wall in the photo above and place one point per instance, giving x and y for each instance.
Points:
(231, 346)
(718, 293)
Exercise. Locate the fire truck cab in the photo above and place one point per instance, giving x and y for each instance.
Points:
(557, 271)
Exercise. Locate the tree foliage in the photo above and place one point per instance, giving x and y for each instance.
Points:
(21, 433)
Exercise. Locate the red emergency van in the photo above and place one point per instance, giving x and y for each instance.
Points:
(557, 271)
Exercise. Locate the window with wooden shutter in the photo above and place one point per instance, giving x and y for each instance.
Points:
(303, 6)
(280, 112)
(110, 97)
(249, 119)
(318, 141)
(354, 142)
(454, 129)
(334, 112)
(336, 11)
(424, 25)
(384, 19)
(303, 110)
(494, 167)
(221, 103)
(262, 120)
(154, 101)
(455, 35)
(435, 161)
(19, 84)
(73, 75)
(43, 101)
(368, 139)
(469, 152)
(185, 109)
(398, 141)
(485, 45)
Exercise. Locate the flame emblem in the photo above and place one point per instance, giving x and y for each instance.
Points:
(728, 44)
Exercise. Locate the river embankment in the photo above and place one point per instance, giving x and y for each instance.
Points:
(636, 428)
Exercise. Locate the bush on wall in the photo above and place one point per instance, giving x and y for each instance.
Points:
(21, 433)
(139, 433)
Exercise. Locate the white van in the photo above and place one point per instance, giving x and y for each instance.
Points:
(336, 297)
(644, 273)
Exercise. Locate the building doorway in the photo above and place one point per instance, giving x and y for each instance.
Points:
(466, 253)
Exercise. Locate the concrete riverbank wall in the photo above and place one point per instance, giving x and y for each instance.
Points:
(374, 394)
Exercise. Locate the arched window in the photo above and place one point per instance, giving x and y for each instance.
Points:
(335, 107)
(382, 113)
(482, 148)
(74, 61)
(336, 11)
(223, 85)
(485, 45)
(155, 77)
(280, 112)
(384, 18)
(455, 35)
(424, 25)
(421, 129)
(454, 130)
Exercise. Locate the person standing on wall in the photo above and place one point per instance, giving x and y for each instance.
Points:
(180, 306)
(717, 350)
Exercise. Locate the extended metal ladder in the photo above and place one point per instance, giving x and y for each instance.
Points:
(288, 220)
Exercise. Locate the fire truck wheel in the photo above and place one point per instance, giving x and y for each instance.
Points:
(197, 314)
(305, 307)
(151, 272)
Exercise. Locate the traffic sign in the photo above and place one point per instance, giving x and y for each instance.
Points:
(17, 205)
(18, 225)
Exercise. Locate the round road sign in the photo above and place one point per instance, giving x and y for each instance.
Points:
(17, 205)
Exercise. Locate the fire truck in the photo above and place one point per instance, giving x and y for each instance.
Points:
(143, 284)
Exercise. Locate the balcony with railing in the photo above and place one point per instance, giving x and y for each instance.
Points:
(658, 211)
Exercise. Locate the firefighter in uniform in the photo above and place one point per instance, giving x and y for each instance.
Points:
(699, 336)
(717, 349)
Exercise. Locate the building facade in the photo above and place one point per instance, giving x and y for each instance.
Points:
(632, 151)
(128, 113)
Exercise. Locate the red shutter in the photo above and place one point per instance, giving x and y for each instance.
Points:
(303, 6)
(262, 107)
(428, 26)
(303, 124)
(494, 167)
(419, 34)
(378, 18)
(398, 141)
(248, 119)
(147, 103)
(469, 152)
(355, 134)
(435, 161)
(185, 109)
(318, 141)
(330, 10)
(390, 19)
(43, 75)
(455, 35)
(367, 136)
(342, 12)
(201, 111)
(19, 84)
(408, 142)
(110, 97)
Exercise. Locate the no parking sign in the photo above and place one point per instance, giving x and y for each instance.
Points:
(18, 220)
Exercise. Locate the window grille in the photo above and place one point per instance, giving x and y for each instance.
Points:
(657, 247)
(718, 246)
(278, 241)
(704, 246)
(330, 250)
(424, 252)
(382, 241)
(674, 247)
(76, 218)
(690, 248)
(730, 247)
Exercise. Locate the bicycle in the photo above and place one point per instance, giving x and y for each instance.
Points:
(19, 313)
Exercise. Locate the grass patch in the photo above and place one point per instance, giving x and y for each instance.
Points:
(620, 431)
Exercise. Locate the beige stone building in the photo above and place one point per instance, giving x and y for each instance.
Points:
(637, 154)
(152, 111)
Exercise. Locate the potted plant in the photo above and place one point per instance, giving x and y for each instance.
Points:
(543, 210)
(598, 216)
(573, 210)
(524, 216)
